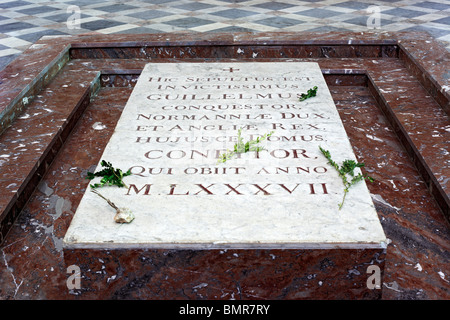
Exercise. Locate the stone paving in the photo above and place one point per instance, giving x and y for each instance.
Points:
(23, 22)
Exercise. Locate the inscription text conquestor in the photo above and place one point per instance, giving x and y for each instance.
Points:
(251, 104)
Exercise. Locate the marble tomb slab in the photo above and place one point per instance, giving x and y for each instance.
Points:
(180, 117)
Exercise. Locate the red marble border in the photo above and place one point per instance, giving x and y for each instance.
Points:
(32, 260)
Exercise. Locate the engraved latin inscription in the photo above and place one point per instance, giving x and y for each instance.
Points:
(180, 119)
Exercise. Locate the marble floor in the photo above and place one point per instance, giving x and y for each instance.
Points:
(23, 22)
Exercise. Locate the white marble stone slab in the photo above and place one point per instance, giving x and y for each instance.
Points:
(180, 116)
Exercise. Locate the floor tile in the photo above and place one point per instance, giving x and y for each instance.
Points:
(210, 27)
(194, 6)
(353, 5)
(435, 32)
(399, 12)
(363, 21)
(35, 36)
(273, 5)
(21, 32)
(158, 1)
(189, 22)
(139, 30)
(233, 29)
(149, 14)
(37, 10)
(430, 17)
(5, 28)
(279, 22)
(234, 13)
(85, 2)
(234, 1)
(115, 8)
(62, 17)
(319, 13)
(8, 55)
(326, 29)
(445, 21)
(13, 4)
(117, 29)
(433, 5)
(13, 41)
(99, 24)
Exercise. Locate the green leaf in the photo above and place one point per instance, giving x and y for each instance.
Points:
(110, 176)
(347, 167)
(310, 93)
(241, 147)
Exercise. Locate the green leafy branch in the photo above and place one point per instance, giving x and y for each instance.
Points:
(347, 168)
(311, 93)
(110, 176)
(242, 147)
